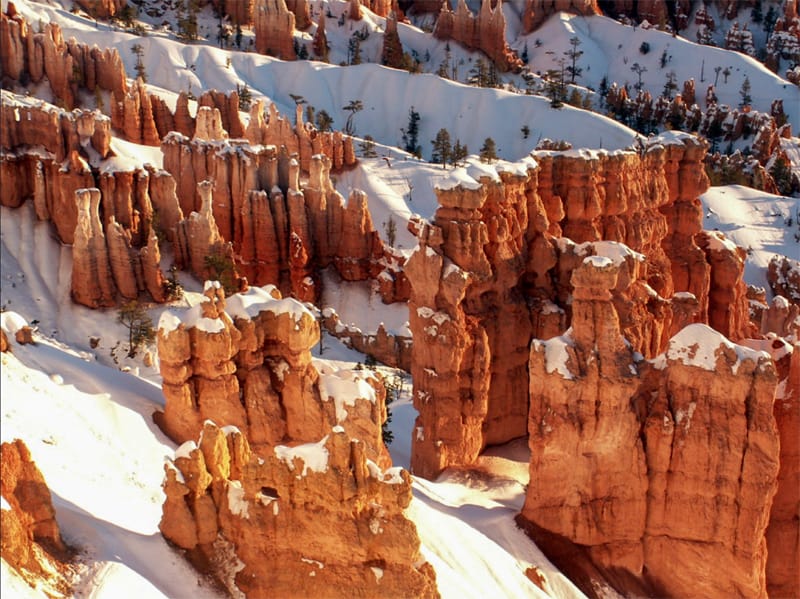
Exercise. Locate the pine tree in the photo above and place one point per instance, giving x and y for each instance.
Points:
(670, 85)
(353, 107)
(781, 173)
(747, 100)
(554, 87)
(574, 54)
(460, 153)
(324, 121)
(138, 51)
(442, 148)
(245, 97)
(135, 318)
(187, 21)
(354, 50)
(488, 152)
(367, 147)
(411, 134)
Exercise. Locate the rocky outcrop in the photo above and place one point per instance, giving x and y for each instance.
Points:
(783, 533)
(103, 8)
(92, 278)
(389, 349)
(268, 507)
(30, 541)
(280, 233)
(26, 124)
(29, 57)
(783, 276)
(299, 450)
(538, 11)
(493, 272)
(484, 31)
(654, 429)
(274, 26)
(728, 310)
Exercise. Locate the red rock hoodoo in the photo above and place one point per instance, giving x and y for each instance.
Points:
(297, 449)
(485, 31)
(30, 541)
(653, 429)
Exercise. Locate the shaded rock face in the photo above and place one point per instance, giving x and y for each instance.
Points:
(279, 233)
(493, 272)
(30, 540)
(484, 31)
(783, 534)
(299, 451)
(274, 26)
(28, 57)
(538, 11)
(783, 276)
(655, 430)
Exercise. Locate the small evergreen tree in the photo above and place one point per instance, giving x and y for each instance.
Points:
(138, 51)
(781, 173)
(354, 49)
(670, 85)
(639, 70)
(747, 100)
(245, 97)
(187, 21)
(324, 121)
(442, 148)
(460, 153)
(554, 87)
(488, 152)
(411, 133)
(135, 318)
(574, 54)
(353, 107)
(367, 147)
(526, 131)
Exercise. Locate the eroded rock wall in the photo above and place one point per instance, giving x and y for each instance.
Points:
(296, 449)
(654, 428)
(484, 31)
(493, 272)
(30, 540)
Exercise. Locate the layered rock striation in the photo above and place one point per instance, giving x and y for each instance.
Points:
(484, 31)
(30, 540)
(493, 272)
(296, 449)
(653, 429)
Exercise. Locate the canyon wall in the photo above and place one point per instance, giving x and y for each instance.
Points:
(653, 428)
(30, 540)
(287, 448)
(485, 31)
(493, 272)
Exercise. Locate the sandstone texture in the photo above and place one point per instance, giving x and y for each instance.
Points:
(494, 268)
(653, 429)
(484, 31)
(30, 541)
(287, 448)
(274, 26)
(538, 11)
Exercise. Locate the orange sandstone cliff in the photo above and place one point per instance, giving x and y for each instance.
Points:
(288, 447)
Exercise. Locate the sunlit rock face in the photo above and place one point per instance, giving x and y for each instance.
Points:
(613, 434)
(285, 448)
(30, 540)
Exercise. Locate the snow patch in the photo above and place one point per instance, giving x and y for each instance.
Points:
(237, 504)
(556, 354)
(313, 455)
(698, 345)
